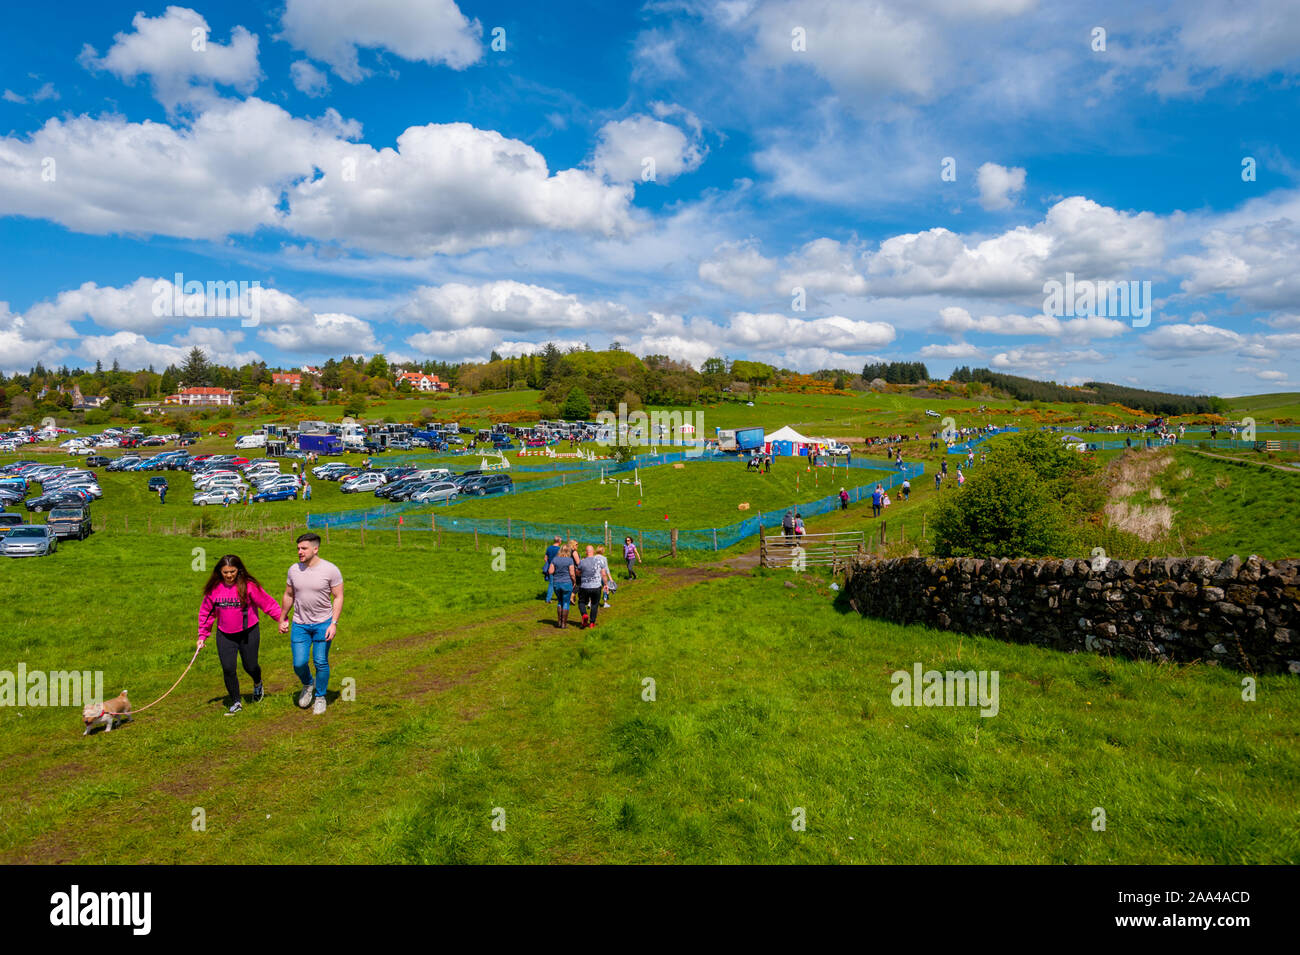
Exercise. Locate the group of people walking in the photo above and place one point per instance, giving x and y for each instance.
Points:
(568, 567)
(313, 601)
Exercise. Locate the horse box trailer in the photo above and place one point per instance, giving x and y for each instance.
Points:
(320, 443)
(747, 439)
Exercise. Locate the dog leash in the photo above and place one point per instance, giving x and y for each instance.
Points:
(173, 686)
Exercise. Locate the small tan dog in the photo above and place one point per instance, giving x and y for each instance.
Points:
(107, 713)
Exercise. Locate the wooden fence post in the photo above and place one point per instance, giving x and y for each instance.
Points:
(882, 532)
(363, 532)
(673, 541)
(327, 535)
(715, 538)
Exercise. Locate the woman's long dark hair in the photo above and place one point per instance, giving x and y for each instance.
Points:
(242, 578)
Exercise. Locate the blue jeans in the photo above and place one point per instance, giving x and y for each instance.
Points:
(308, 639)
(563, 597)
(550, 587)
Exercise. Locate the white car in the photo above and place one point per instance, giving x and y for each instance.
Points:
(230, 482)
(837, 449)
(282, 480)
(362, 482)
(218, 495)
(931, 414)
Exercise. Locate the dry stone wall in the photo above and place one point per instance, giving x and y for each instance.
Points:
(1242, 614)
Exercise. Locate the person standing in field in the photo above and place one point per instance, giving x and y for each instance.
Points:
(844, 500)
(551, 553)
(907, 489)
(877, 500)
(610, 585)
(591, 581)
(231, 599)
(564, 577)
(787, 525)
(314, 592)
(631, 555)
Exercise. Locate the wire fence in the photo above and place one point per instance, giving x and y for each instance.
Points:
(391, 516)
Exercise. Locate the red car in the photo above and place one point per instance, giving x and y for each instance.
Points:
(239, 462)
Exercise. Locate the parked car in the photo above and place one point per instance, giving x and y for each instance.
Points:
(218, 495)
(70, 522)
(362, 482)
(97, 461)
(277, 494)
(330, 470)
(489, 484)
(434, 492)
(157, 482)
(29, 540)
(931, 414)
(9, 520)
(53, 499)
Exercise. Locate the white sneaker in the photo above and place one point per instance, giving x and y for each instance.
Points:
(305, 697)
(319, 707)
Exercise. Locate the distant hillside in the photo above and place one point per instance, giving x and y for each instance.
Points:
(1092, 392)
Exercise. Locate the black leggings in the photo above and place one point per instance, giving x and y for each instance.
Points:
(244, 645)
(589, 597)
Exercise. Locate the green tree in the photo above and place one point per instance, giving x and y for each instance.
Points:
(355, 407)
(577, 406)
(197, 370)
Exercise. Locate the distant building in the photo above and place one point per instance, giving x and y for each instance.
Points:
(292, 379)
(422, 382)
(201, 396)
(310, 370)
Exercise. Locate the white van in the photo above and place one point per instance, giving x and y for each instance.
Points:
(250, 441)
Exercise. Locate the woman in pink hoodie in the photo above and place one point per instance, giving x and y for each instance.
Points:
(231, 599)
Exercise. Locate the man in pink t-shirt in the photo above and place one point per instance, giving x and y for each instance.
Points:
(313, 594)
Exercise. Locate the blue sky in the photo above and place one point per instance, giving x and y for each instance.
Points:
(396, 183)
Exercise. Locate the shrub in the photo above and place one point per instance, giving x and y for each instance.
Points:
(1005, 510)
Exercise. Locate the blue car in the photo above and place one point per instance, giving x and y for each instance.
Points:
(279, 494)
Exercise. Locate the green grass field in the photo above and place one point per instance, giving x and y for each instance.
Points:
(465, 705)
(467, 700)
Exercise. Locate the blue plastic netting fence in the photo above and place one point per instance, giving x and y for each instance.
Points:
(387, 517)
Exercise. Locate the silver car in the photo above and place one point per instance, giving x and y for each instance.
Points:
(29, 540)
(218, 496)
(442, 491)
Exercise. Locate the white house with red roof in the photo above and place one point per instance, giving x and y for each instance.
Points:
(422, 382)
(201, 396)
